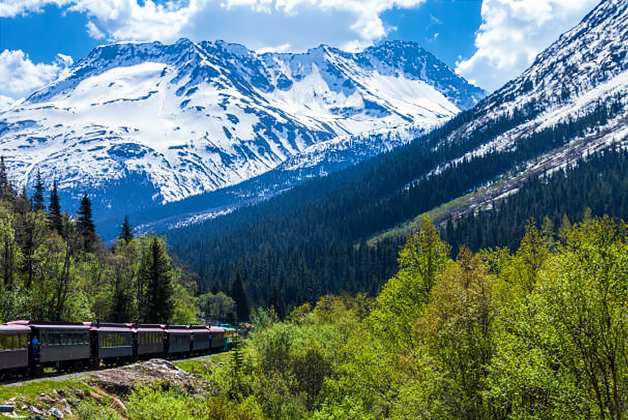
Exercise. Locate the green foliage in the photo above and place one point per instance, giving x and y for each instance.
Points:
(87, 410)
(53, 268)
(347, 409)
(216, 306)
(541, 333)
(566, 342)
(401, 300)
(153, 403)
(155, 279)
(228, 410)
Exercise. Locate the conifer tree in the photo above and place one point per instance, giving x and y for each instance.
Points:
(38, 195)
(54, 210)
(241, 299)
(85, 224)
(155, 283)
(6, 189)
(22, 203)
(126, 231)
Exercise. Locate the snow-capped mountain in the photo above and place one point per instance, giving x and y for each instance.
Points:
(571, 102)
(584, 67)
(136, 124)
(316, 161)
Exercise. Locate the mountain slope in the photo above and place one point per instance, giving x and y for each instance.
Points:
(140, 124)
(528, 127)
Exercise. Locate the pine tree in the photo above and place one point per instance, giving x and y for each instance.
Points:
(85, 224)
(54, 210)
(6, 189)
(22, 204)
(241, 299)
(126, 231)
(155, 283)
(237, 366)
(38, 195)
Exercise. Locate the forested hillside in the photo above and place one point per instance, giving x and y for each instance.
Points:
(53, 266)
(311, 240)
(596, 186)
(536, 333)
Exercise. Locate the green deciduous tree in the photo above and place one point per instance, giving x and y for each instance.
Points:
(217, 306)
(563, 354)
(401, 300)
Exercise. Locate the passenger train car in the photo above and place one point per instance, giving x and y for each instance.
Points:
(27, 347)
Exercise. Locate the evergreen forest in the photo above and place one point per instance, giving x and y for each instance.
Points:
(539, 332)
(313, 239)
(53, 266)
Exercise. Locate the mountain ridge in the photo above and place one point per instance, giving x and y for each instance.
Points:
(192, 117)
(527, 128)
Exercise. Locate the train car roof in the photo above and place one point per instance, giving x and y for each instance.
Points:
(199, 328)
(46, 324)
(112, 329)
(12, 329)
(216, 329)
(149, 329)
(177, 330)
(109, 327)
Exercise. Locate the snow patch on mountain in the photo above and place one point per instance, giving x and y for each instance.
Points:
(193, 117)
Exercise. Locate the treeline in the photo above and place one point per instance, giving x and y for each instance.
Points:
(537, 333)
(53, 266)
(311, 240)
(596, 186)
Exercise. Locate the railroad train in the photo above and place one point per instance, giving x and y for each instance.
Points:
(28, 347)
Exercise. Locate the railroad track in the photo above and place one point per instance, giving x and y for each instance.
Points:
(62, 376)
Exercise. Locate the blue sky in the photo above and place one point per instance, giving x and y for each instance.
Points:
(486, 41)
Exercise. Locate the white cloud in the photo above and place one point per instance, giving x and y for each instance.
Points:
(280, 49)
(258, 24)
(21, 76)
(10, 8)
(433, 21)
(94, 32)
(514, 32)
(6, 103)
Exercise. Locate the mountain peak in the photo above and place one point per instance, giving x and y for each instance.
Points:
(186, 118)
